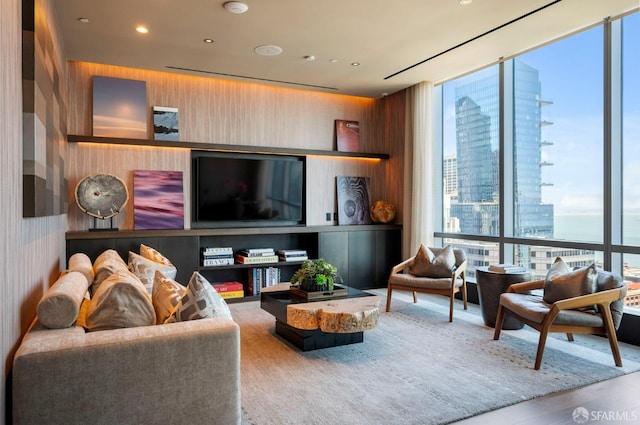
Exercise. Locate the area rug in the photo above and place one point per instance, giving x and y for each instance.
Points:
(414, 368)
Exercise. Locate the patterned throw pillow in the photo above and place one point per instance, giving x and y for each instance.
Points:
(200, 301)
(167, 293)
(146, 269)
(562, 283)
(427, 264)
(147, 252)
(120, 302)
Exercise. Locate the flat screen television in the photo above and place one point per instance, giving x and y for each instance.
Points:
(247, 190)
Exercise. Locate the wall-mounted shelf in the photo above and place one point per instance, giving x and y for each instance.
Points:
(72, 138)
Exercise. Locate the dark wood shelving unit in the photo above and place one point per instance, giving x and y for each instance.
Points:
(363, 254)
(217, 147)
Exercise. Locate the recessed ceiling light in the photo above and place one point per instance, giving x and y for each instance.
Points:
(84, 20)
(236, 7)
(333, 60)
(268, 50)
(310, 58)
(465, 2)
(208, 40)
(142, 29)
(355, 63)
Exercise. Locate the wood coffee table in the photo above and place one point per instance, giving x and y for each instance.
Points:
(321, 324)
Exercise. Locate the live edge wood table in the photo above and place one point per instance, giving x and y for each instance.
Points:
(320, 324)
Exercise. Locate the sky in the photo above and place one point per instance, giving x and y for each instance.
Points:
(571, 76)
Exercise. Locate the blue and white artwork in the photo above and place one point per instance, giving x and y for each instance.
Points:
(165, 123)
(119, 108)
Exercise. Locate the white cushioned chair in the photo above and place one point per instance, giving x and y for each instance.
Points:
(447, 279)
(599, 312)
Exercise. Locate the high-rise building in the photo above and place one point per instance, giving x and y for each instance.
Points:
(477, 143)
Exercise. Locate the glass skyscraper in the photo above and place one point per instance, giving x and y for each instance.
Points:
(477, 147)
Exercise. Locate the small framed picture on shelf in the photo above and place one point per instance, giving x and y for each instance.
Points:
(348, 136)
(165, 123)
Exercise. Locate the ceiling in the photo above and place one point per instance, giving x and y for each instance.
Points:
(397, 43)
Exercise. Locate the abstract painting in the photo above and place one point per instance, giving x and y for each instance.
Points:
(353, 200)
(348, 136)
(44, 103)
(158, 201)
(165, 123)
(119, 108)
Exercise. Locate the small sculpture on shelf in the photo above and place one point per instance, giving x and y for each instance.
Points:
(316, 275)
(383, 212)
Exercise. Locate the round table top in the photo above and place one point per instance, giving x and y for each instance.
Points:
(517, 270)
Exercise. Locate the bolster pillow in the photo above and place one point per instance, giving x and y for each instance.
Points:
(60, 305)
(81, 262)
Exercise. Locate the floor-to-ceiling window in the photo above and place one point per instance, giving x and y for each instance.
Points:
(541, 155)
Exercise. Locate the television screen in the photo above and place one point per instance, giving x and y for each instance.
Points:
(243, 190)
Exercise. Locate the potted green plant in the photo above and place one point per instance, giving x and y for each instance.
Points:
(316, 275)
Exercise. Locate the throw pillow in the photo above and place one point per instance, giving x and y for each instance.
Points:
(145, 270)
(427, 264)
(561, 282)
(80, 262)
(200, 301)
(166, 295)
(105, 265)
(120, 302)
(147, 252)
(60, 305)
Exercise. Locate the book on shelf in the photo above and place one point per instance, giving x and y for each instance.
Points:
(229, 286)
(505, 268)
(256, 252)
(262, 277)
(212, 262)
(257, 260)
(215, 250)
(291, 258)
(232, 294)
(292, 252)
(213, 256)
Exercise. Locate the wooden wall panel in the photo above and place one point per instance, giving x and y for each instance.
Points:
(31, 249)
(229, 112)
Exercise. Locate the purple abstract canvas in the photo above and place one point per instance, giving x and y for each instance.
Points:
(158, 201)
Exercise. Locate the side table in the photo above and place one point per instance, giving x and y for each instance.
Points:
(490, 285)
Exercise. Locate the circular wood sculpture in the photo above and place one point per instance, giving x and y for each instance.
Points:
(101, 195)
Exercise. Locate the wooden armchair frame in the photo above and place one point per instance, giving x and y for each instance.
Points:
(450, 292)
(602, 299)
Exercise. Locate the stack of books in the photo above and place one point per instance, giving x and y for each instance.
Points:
(217, 256)
(256, 256)
(506, 268)
(262, 277)
(230, 289)
(292, 255)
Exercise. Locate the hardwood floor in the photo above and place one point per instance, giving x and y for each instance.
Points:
(614, 401)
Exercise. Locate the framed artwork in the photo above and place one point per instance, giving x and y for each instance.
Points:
(353, 200)
(165, 123)
(119, 108)
(158, 200)
(44, 185)
(348, 136)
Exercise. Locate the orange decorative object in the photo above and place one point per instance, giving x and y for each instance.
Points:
(383, 212)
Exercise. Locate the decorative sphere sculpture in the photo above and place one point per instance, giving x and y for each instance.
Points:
(383, 212)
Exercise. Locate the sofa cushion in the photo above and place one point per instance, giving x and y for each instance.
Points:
(169, 270)
(562, 283)
(145, 270)
(200, 301)
(121, 301)
(105, 265)
(60, 305)
(427, 264)
(166, 295)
